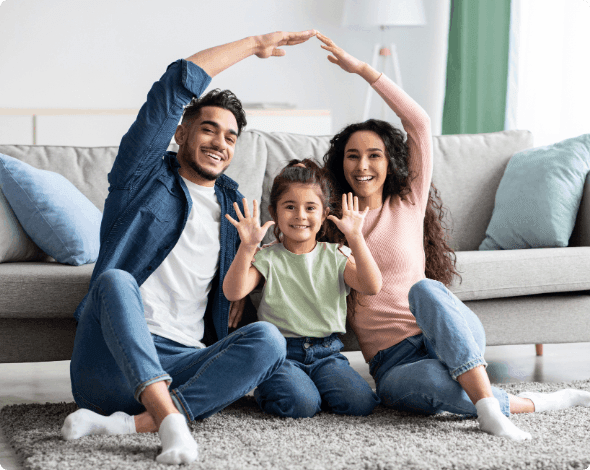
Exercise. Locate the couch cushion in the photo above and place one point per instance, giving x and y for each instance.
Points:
(543, 318)
(539, 195)
(249, 165)
(42, 290)
(54, 213)
(467, 171)
(86, 167)
(513, 273)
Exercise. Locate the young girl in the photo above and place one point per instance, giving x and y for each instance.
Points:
(304, 295)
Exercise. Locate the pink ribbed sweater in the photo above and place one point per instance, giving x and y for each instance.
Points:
(395, 236)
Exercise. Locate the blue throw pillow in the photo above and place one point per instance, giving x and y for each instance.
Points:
(539, 195)
(52, 211)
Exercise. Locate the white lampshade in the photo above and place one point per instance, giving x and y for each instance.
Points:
(383, 13)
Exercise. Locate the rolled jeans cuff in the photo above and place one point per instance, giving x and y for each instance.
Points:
(139, 390)
(181, 405)
(467, 367)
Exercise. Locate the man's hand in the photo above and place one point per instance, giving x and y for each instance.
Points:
(216, 59)
(268, 45)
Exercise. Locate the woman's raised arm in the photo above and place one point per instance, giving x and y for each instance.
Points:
(414, 119)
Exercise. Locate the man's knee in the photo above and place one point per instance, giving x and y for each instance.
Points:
(114, 279)
(270, 343)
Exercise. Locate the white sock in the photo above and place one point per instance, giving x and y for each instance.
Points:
(492, 421)
(558, 400)
(178, 444)
(85, 423)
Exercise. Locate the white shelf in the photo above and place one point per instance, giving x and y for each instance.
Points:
(105, 127)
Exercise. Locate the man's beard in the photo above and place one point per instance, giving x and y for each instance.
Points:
(199, 170)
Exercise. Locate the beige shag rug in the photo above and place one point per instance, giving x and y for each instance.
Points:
(242, 437)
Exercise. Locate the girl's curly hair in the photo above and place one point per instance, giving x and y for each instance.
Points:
(440, 258)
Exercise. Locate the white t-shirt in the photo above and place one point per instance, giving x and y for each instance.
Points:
(175, 295)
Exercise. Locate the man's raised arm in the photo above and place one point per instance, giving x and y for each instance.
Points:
(149, 136)
(217, 59)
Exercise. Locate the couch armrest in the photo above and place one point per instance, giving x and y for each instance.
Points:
(581, 234)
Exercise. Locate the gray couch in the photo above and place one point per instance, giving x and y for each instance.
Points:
(521, 296)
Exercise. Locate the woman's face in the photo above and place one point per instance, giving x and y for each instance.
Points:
(365, 167)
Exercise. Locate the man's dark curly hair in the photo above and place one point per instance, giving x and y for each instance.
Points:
(440, 258)
(221, 99)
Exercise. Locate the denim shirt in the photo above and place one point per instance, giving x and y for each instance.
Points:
(148, 202)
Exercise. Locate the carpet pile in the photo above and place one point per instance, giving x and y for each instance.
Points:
(242, 437)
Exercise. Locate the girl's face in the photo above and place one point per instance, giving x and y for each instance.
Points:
(366, 167)
(300, 214)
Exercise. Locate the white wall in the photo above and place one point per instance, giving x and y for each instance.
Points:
(107, 53)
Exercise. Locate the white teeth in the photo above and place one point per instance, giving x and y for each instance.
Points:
(364, 178)
(214, 156)
(299, 226)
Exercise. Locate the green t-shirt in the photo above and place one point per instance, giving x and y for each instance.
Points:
(304, 295)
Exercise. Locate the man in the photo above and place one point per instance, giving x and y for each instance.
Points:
(155, 317)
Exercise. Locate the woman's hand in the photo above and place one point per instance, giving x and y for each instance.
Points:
(267, 45)
(249, 229)
(351, 223)
(340, 57)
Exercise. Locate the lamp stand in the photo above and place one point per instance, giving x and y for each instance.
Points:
(384, 52)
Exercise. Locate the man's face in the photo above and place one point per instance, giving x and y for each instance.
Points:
(206, 145)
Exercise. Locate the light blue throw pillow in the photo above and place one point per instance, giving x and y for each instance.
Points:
(539, 195)
(52, 211)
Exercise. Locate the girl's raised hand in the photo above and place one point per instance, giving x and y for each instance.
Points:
(352, 220)
(249, 229)
(340, 57)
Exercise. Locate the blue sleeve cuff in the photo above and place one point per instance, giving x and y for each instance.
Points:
(194, 78)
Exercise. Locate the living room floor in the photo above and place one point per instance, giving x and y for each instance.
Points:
(50, 382)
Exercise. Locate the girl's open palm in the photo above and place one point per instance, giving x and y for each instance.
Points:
(249, 229)
(352, 220)
(340, 57)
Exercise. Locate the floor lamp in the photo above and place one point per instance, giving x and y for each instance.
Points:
(383, 13)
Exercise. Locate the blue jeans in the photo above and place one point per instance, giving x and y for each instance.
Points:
(315, 373)
(419, 374)
(115, 357)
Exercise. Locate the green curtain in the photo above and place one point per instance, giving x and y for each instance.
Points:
(477, 67)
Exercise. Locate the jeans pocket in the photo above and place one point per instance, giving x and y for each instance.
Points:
(336, 345)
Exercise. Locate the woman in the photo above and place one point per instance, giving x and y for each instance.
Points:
(423, 345)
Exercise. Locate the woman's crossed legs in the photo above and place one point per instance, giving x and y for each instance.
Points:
(443, 369)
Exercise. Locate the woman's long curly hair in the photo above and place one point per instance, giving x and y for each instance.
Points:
(440, 258)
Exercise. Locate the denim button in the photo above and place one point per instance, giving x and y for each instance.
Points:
(306, 345)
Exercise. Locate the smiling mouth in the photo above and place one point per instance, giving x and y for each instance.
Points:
(213, 156)
(300, 227)
(363, 179)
